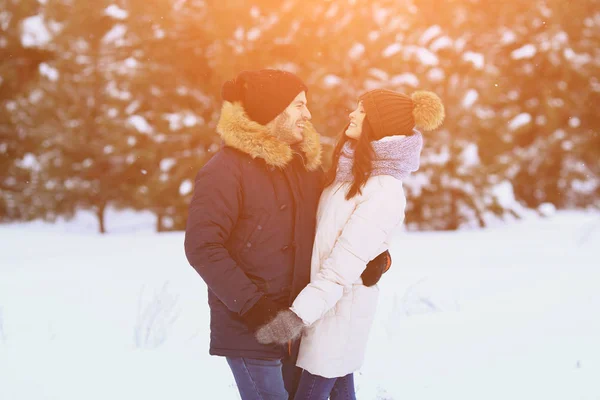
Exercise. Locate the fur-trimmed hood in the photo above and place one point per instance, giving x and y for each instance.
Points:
(238, 131)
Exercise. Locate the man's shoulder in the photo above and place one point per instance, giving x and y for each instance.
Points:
(223, 162)
(229, 161)
(226, 157)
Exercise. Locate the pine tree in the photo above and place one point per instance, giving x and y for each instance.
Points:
(19, 66)
(84, 156)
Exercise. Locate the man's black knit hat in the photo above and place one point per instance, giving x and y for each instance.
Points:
(264, 94)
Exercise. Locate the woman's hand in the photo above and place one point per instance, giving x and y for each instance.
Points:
(375, 268)
(284, 327)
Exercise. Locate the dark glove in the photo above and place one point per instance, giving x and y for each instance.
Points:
(285, 327)
(375, 268)
(262, 312)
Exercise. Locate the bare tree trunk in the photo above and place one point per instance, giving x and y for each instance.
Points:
(100, 214)
(453, 223)
(159, 222)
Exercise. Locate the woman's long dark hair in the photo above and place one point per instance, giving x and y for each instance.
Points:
(363, 158)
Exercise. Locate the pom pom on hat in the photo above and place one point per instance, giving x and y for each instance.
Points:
(428, 110)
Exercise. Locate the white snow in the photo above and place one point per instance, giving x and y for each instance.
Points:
(503, 313)
(239, 33)
(179, 120)
(113, 112)
(253, 34)
(519, 121)
(523, 52)
(547, 209)
(332, 11)
(116, 92)
(577, 58)
(117, 32)
(190, 120)
(36, 95)
(133, 107)
(508, 37)
(429, 34)
(186, 187)
(34, 32)
(48, 71)
(559, 40)
(436, 75)
(373, 35)
(470, 155)
(405, 79)
(174, 121)
(567, 145)
(30, 162)
(130, 158)
(470, 98)
(574, 122)
(159, 33)
(167, 163)
(332, 80)
(443, 42)
(140, 124)
(425, 56)
(372, 84)
(392, 49)
(131, 63)
(436, 158)
(504, 194)
(380, 15)
(116, 12)
(379, 74)
(460, 43)
(587, 186)
(477, 59)
(356, 51)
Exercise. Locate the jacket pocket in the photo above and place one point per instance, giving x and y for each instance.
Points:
(253, 226)
(364, 301)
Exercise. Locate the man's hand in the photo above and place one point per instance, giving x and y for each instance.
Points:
(262, 312)
(284, 327)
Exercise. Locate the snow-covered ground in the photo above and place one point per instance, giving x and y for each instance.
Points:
(511, 312)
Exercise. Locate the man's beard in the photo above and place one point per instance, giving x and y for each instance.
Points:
(283, 129)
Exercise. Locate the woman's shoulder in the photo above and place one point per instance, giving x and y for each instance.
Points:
(386, 183)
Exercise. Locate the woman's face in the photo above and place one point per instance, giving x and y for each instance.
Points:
(356, 122)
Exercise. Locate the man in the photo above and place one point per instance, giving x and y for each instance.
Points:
(251, 224)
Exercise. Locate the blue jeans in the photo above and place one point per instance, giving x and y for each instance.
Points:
(259, 379)
(314, 387)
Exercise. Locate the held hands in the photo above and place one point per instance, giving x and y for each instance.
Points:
(284, 327)
(280, 326)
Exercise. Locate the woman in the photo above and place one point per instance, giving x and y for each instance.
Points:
(362, 204)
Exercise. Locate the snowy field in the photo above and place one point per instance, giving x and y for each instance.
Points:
(512, 312)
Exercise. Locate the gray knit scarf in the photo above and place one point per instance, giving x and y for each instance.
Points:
(397, 156)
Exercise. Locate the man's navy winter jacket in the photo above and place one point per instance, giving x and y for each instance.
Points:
(251, 227)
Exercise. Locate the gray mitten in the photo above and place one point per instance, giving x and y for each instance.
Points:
(284, 327)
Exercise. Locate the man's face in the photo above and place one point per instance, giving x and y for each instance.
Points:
(289, 125)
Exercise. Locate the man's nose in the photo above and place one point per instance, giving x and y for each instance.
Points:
(306, 113)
